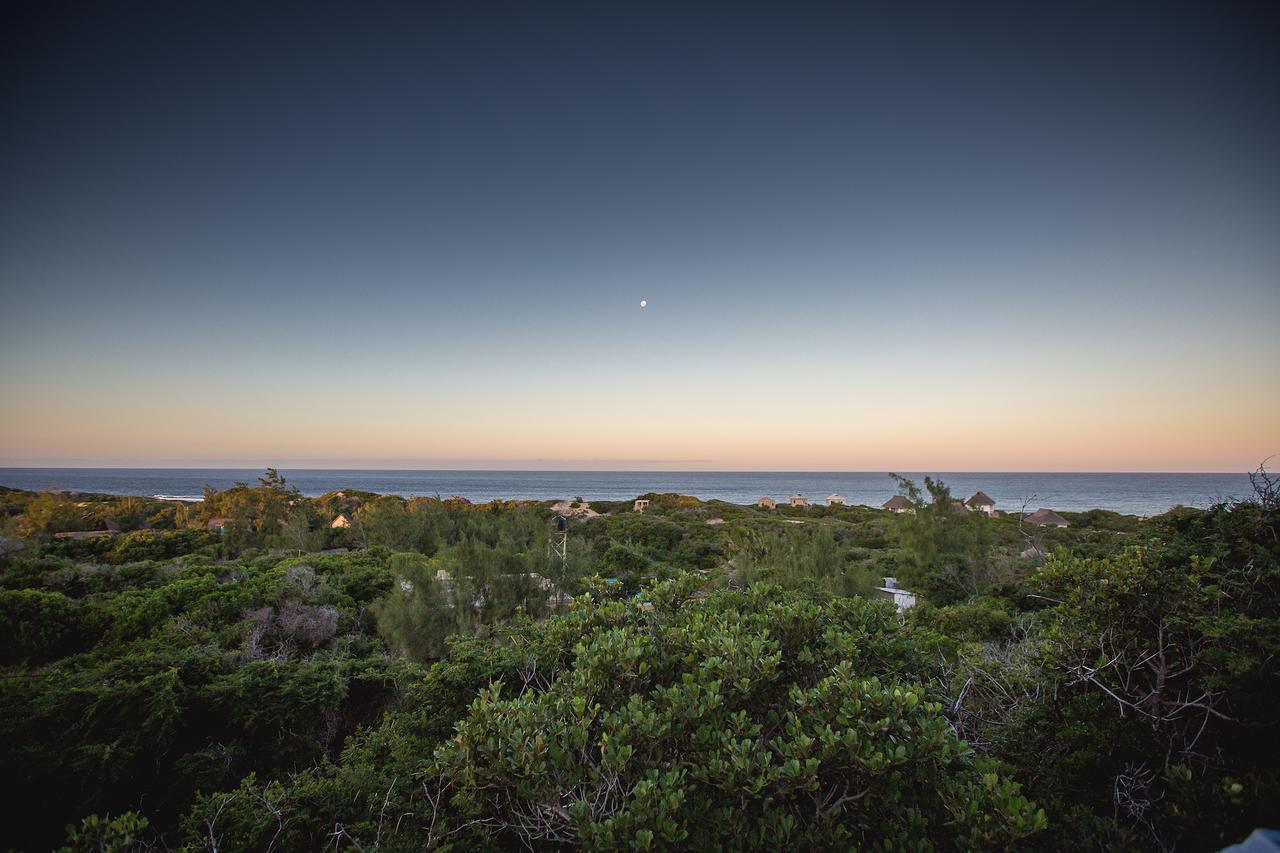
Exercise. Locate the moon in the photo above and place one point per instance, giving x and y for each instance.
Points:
(644, 302)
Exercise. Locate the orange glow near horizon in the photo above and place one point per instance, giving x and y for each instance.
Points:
(1221, 431)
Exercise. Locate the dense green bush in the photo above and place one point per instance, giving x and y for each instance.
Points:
(982, 620)
(1141, 708)
(736, 721)
(37, 626)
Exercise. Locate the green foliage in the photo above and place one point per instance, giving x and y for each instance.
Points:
(737, 720)
(152, 684)
(818, 558)
(945, 549)
(95, 834)
(980, 620)
(51, 512)
(1140, 704)
(415, 617)
(38, 626)
(241, 691)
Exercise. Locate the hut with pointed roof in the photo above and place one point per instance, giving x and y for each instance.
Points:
(982, 502)
(897, 503)
(835, 499)
(766, 502)
(1047, 518)
(799, 500)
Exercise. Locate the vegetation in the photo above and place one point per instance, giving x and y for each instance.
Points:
(240, 673)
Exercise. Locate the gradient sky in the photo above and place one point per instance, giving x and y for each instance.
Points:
(917, 237)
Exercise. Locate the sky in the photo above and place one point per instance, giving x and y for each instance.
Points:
(915, 236)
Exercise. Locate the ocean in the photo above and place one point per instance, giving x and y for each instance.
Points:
(1136, 494)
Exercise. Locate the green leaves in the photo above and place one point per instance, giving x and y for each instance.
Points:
(723, 737)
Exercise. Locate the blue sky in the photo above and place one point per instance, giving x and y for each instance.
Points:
(978, 237)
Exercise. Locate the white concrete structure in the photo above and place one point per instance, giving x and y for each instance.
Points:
(799, 500)
(902, 599)
(835, 499)
(766, 502)
(641, 504)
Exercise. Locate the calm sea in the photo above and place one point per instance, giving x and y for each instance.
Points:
(1138, 494)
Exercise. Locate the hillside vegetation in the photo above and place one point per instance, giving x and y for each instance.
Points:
(240, 674)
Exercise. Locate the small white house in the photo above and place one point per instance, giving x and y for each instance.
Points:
(641, 504)
(766, 502)
(799, 500)
(901, 598)
(981, 502)
(835, 499)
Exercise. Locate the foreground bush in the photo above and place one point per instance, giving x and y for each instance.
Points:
(738, 720)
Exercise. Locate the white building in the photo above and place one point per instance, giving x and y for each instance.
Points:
(981, 502)
(902, 599)
(835, 499)
(799, 500)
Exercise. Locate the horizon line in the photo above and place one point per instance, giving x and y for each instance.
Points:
(886, 471)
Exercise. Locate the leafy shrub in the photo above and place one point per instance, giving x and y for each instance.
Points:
(39, 626)
(95, 834)
(740, 720)
(983, 620)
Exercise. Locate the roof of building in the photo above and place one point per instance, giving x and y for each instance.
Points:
(1045, 516)
(959, 508)
(895, 502)
(835, 496)
(981, 499)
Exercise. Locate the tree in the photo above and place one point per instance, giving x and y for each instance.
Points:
(416, 616)
(945, 548)
(49, 513)
(298, 532)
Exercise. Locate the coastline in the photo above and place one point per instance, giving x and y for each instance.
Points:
(1130, 494)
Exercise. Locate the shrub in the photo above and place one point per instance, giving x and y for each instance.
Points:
(737, 721)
